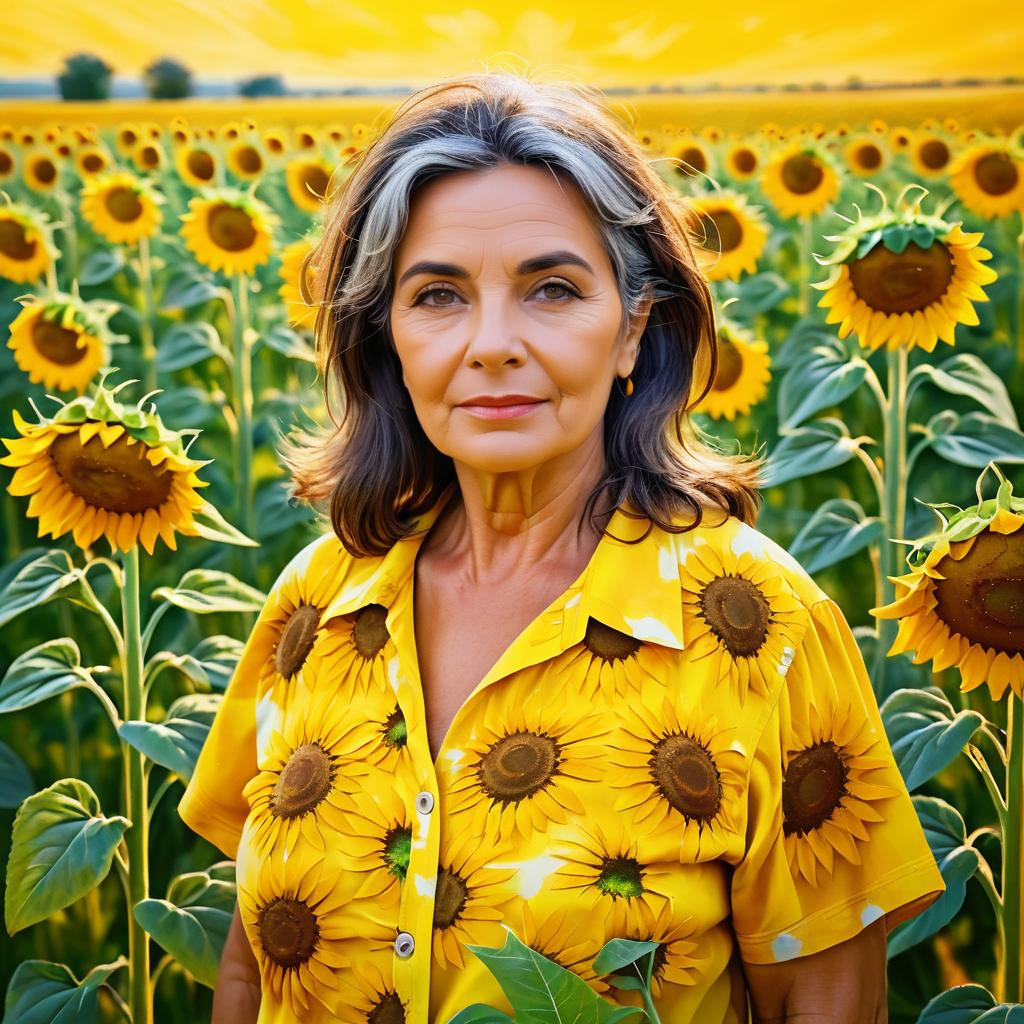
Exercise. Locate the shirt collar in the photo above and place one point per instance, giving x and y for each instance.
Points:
(630, 584)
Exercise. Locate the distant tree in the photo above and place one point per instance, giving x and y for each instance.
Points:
(85, 77)
(167, 79)
(263, 85)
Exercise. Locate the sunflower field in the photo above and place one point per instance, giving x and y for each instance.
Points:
(159, 303)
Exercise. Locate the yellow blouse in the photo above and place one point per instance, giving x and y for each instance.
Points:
(683, 747)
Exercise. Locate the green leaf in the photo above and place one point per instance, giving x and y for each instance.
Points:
(189, 289)
(186, 404)
(542, 990)
(101, 266)
(187, 344)
(618, 953)
(210, 590)
(61, 848)
(759, 293)
(41, 992)
(926, 732)
(192, 923)
(824, 380)
(286, 340)
(966, 374)
(44, 671)
(969, 1004)
(806, 335)
(209, 665)
(947, 837)
(838, 529)
(38, 582)
(478, 1013)
(896, 237)
(15, 778)
(977, 439)
(175, 742)
(808, 450)
(213, 526)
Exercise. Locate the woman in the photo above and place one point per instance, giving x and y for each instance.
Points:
(621, 711)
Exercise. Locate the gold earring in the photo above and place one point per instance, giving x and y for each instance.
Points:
(629, 386)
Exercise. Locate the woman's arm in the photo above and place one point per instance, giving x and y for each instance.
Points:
(236, 997)
(844, 984)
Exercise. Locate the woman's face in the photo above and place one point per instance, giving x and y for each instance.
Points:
(502, 287)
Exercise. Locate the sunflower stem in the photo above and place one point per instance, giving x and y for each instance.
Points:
(894, 504)
(1013, 866)
(137, 836)
(241, 372)
(146, 323)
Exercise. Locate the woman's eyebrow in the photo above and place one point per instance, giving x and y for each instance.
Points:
(559, 258)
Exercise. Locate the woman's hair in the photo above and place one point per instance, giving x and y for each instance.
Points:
(377, 466)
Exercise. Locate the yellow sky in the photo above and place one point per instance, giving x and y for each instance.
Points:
(599, 41)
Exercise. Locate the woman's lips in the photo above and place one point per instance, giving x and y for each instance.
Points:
(501, 412)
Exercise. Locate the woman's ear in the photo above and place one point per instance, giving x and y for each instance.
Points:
(637, 326)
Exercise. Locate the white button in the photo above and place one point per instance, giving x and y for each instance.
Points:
(404, 945)
(424, 802)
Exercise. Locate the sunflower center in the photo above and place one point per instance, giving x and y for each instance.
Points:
(123, 204)
(288, 931)
(315, 180)
(230, 228)
(249, 159)
(744, 160)
(45, 171)
(304, 781)
(691, 161)
(801, 174)
(93, 162)
(200, 163)
(904, 282)
(370, 632)
(55, 343)
(737, 613)
(397, 846)
(609, 644)
(687, 776)
(518, 765)
(814, 782)
(982, 595)
(297, 639)
(396, 733)
(6, 162)
(449, 898)
(730, 231)
(934, 154)
(730, 365)
(996, 174)
(13, 242)
(869, 156)
(621, 876)
(118, 479)
(388, 1010)
(149, 157)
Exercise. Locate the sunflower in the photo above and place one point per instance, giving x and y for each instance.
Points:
(26, 243)
(800, 180)
(121, 207)
(554, 937)
(681, 775)
(904, 278)
(308, 765)
(470, 897)
(518, 769)
(229, 230)
(98, 468)
(605, 866)
(91, 160)
(246, 160)
(59, 344)
(40, 171)
(196, 163)
(742, 161)
(690, 157)
(900, 138)
(293, 263)
(865, 156)
(739, 612)
(127, 137)
(8, 163)
(674, 962)
(989, 179)
(614, 663)
(827, 791)
(148, 156)
(743, 374)
(961, 603)
(732, 234)
(930, 154)
(309, 180)
(306, 136)
(301, 928)
(368, 994)
(274, 141)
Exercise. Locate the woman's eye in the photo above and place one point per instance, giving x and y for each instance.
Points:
(567, 290)
(433, 291)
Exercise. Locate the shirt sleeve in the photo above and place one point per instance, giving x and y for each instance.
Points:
(213, 804)
(833, 841)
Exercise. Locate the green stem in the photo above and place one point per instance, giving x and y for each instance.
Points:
(74, 756)
(137, 836)
(1013, 867)
(894, 504)
(242, 400)
(146, 323)
(164, 786)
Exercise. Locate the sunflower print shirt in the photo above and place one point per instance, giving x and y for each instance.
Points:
(684, 747)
